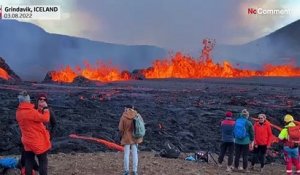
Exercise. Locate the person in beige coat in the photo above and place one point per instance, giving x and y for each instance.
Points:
(126, 128)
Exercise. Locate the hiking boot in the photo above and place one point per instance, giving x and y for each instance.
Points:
(261, 170)
(134, 173)
(125, 173)
(240, 168)
(251, 168)
(228, 169)
(235, 169)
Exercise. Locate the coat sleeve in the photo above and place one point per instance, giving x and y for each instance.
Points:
(221, 126)
(283, 134)
(270, 135)
(251, 131)
(52, 122)
(41, 117)
(121, 126)
(254, 130)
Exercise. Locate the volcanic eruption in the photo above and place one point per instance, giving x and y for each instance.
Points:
(100, 72)
(184, 66)
(178, 65)
(6, 74)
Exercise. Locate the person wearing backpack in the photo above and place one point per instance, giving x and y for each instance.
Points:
(227, 145)
(126, 128)
(262, 140)
(244, 136)
(290, 137)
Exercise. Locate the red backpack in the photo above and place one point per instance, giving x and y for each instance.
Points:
(294, 135)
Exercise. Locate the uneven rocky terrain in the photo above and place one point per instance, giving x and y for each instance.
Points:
(185, 112)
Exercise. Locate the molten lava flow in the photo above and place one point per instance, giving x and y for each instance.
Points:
(4, 74)
(99, 72)
(178, 66)
(64, 75)
(282, 70)
(182, 66)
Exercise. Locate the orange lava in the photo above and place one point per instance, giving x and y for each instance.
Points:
(182, 66)
(4, 74)
(98, 72)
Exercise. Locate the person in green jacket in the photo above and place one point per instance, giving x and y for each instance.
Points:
(244, 136)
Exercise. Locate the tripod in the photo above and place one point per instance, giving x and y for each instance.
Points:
(212, 157)
(204, 156)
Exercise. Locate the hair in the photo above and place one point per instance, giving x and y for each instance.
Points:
(262, 115)
(245, 113)
(129, 106)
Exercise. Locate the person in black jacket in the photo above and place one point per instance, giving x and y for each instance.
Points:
(227, 145)
(51, 126)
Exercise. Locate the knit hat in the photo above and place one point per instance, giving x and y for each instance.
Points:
(245, 113)
(43, 95)
(23, 97)
(228, 114)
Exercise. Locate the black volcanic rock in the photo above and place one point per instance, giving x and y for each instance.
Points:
(48, 78)
(186, 113)
(13, 76)
(138, 74)
(81, 80)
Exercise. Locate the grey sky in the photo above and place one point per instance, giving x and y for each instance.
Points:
(172, 24)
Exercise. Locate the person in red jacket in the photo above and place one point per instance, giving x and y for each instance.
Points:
(262, 140)
(51, 126)
(35, 137)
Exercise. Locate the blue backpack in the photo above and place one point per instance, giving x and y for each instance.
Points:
(8, 162)
(139, 130)
(240, 131)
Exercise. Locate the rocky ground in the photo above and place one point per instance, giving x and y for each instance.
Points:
(149, 164)
(111, 164)
(186, 113)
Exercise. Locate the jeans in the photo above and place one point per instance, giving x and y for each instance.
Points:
(134, 152)
(226, 147)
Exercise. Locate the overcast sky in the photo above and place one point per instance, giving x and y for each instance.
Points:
(171, 24)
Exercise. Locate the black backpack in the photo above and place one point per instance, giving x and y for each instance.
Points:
(169, 151)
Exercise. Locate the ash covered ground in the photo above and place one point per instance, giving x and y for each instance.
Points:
(186, 112)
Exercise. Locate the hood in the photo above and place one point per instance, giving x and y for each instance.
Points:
(130, 114)
(242, 116)
(25, 105)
